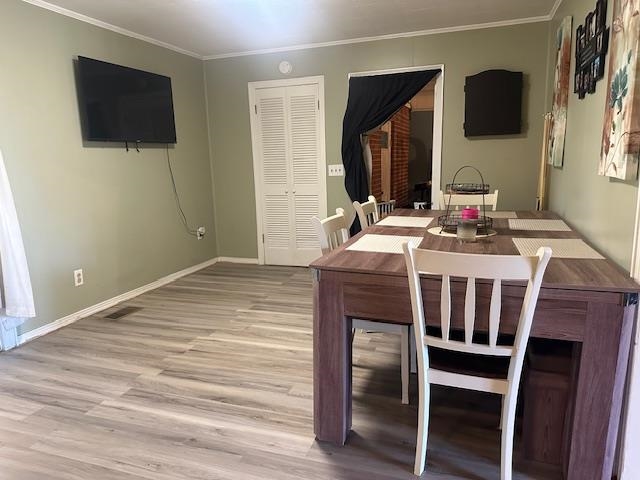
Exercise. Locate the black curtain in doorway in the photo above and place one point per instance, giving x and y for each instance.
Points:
(372, 101)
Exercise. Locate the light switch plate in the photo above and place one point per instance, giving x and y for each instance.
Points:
(336, 170)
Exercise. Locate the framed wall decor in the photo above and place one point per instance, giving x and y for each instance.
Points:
(592, 43)
(560, 93)
(621, 129)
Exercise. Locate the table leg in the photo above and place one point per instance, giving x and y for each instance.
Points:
(331, 361)
(599, 391)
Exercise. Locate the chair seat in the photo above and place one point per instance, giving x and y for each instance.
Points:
(468, 364)
(478, 349)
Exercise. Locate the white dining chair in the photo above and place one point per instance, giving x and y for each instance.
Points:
(471, 266)
(457, 200)
(367, 211)
(333, 232)
(385, 208)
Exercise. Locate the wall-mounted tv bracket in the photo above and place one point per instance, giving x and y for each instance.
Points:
(126, 145)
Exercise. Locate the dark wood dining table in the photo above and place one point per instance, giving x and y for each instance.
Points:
(590, 302)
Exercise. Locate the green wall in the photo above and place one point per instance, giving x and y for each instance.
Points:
(109, 212)
(601, 208)
(112, 213)
(509, 163)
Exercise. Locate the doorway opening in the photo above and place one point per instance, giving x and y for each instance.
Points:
(404, 155)
(401, 161)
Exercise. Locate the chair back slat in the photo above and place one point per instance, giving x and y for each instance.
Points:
(457, 200)
(495, 309)
(494, 312)
(469, 310)
(334, 240)
(332, 231)
(367, 211)
(445, 307)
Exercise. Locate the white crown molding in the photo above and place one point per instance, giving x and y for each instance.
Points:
(391, 36)
(553, 11)
(93, 309)
(108, 26)
(417, 33)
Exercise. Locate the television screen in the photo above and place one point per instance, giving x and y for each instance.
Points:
(121, 104)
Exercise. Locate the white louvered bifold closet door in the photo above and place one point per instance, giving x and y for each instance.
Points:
(292, 172)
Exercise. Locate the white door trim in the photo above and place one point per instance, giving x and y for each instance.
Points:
(629, 467)
(436, 149)
(257, 167)
(438, 113)
(635, 253)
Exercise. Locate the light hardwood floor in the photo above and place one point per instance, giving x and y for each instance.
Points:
(212, 379)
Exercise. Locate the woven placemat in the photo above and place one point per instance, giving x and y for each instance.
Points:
(501, 214)
(562, 247)
(397, 221)
(372, 242)
(538, 224)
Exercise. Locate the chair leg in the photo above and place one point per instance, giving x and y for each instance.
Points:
(423, 425)
(404, 363)
(508, 426)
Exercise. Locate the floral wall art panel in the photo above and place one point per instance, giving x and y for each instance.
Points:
(560, 93)
(621, 129)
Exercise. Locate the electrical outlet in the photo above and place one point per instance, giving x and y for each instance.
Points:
(78, 277)
(336, 170)
(200, 232)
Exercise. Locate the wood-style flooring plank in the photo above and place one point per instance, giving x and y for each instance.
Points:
(212, 379)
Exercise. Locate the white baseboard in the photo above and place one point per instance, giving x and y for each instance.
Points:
(247, 261)
(93, 309)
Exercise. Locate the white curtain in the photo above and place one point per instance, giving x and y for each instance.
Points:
(17, 295)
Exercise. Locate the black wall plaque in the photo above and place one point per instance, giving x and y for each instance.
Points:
(493, 103)
(592, 43)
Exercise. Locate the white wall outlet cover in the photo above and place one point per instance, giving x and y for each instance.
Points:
(336, 170)
(285, 67)
(78, 277)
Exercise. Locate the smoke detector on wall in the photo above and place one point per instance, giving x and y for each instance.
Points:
(285, 67)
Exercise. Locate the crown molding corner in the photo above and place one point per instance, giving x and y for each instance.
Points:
(107, 26)
(554, 9)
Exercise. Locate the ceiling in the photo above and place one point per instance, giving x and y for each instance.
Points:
(219, 28)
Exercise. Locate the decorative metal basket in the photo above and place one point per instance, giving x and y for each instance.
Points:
(467, 188)
(449, 221)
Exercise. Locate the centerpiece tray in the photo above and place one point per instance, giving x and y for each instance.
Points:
(449, 222)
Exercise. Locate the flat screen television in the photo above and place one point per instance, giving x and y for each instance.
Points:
(122, 104)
